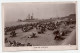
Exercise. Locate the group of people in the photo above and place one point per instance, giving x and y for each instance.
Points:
(41, 27)
(15, 43)
(33, 35)
(24, 27)
(55, 27)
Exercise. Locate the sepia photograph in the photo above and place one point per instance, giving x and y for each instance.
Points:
(30, 24)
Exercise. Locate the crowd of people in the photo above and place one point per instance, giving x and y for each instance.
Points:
(41, 27)
(15, 43)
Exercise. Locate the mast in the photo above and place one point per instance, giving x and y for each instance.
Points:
(32, 16)
(28, 16)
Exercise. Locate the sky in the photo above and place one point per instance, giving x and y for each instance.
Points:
(15, 11)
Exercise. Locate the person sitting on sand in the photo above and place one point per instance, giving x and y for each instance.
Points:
(24, 29)
(10, 43)
(56, 34)
(29, 44)
(13, 33)
(32, 36)
(6, 40)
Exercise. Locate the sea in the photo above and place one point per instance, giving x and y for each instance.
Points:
(15, 23)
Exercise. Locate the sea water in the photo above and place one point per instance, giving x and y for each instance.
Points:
(8, 24)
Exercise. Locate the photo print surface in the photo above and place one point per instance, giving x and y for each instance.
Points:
(39, 24)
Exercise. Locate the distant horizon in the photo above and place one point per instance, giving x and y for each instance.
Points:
(35, 18)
